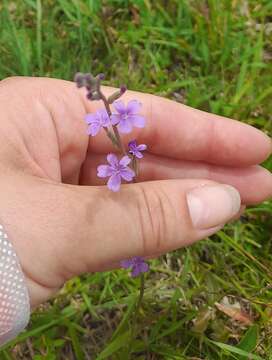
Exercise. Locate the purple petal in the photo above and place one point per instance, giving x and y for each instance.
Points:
(137, 120)
(114, 182)
(115, 119)
(127, 174)
(93, 129)
(89, 118)
(138, 154)
(120, 107)
(138, 259)
(124, 126)
(133, 107)
(141, 147)
(144, 267)
(136, 270)
(132, 144)
(126, 264)
(112, 160)
(104, 171)
(103, 117)
(125, 161)
(102, 112)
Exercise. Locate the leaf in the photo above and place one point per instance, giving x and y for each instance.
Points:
(234, 311)
(201, 322)
(250, 339)
(235, 350)
(125, 320)
(76, 343)
(115, 345)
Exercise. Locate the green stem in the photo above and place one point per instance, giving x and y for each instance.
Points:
(118, 142)
(111, 136)
(117, 135)
(134, 166)
(138, 305)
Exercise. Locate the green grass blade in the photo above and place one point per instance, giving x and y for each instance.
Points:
(235, 350)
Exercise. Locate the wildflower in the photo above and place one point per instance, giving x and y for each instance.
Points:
(135, 149)
(101, 76)
(116, 170)
(127, 116)
(123, 89)
(96, 121)
(84, 80)
(137, 265)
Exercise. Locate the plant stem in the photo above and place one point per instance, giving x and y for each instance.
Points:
(118, 141)
(117, 135)
(136, 314)
(134, 165)
(111, 136)
(139, 303)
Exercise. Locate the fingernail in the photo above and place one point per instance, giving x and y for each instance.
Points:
(212, 205)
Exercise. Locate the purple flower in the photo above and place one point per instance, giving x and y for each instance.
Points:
(137, 265)
(116, 170)
(96, 121)
(135, 149)
(127, 116)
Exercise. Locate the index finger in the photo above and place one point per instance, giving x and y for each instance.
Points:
(181, 132)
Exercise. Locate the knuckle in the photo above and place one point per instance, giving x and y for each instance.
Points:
(156, 217)
(11, 80)
(8, 79)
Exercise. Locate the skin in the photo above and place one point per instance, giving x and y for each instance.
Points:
(60, 229)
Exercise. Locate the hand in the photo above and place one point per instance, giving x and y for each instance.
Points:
(60, 229)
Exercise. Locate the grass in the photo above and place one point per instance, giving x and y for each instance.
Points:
(213, 55)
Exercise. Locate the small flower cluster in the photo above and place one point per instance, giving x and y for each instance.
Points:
(121, 120)
(137, 265)
(116, 171)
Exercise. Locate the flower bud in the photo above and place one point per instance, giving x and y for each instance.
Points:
(116, 95)
(101, 76)
(79, 79)
(86, 80)
(123, 89)
(93, 96)
(96, 96)
(89, 95)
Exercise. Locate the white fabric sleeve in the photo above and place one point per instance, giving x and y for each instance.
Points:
(14, 298)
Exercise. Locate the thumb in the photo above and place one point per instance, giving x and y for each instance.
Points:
(61, 230)
(151, 218)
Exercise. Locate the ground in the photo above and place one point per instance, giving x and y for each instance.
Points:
(212, 300)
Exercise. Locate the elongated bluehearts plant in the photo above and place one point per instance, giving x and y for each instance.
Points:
(122, 166)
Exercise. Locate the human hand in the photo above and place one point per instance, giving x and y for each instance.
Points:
(60, 229)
